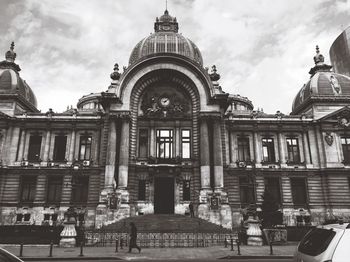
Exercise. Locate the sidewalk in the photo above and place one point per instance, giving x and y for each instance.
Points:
(36, 253)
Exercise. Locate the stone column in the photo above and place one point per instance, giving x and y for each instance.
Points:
(124, 155)
(306, 148)
(257, 150)
(232, 147)
(72, 146)
(177, 139)
(21, 145)
(111, 155)
(152, 144)
(217, 156)
(281, 153)
(204, 155)
(47, 145)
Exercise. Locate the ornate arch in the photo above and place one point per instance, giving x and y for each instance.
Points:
(152, 78)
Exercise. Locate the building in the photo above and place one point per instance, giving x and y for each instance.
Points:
(340, 53)
(165, 134)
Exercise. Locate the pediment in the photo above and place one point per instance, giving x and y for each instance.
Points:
(341, 117)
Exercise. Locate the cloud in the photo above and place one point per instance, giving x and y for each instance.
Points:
(263, 49)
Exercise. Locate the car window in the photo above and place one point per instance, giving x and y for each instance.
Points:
(316, 241)
(5, 258)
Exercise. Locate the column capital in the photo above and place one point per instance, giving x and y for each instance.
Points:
(203, 116)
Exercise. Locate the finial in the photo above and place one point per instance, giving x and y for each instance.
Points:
(214, 76)
(115, 75)
(317, 49)
(12, 45)
(10, 54)
(319, 63)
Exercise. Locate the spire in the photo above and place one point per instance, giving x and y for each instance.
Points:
(166, 23)
(319, 63)
(9, 62)
(10, 54)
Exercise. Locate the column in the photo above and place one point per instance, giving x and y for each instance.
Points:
(204, 155)
(111, 151)
(177, 139)
(257, 151)
(72, 146)
(124, 155)
(232, 147)
(305, 142)
(281, 153)
(47, 145)
(152, 144)
(22, 144)
(217, 151)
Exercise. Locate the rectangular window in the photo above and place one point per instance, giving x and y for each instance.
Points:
(243, 148)
(246, 191)
(268, 150)
(142, 190)
(273, 186)
(59, 152)
(345, 143)
(186, 143)
(28, 188)
(85, 148)
(80, 189)
(54, 189)
(34, 148)
(186, 190)
(165, 143)
(143, 143)
(299, 193)
(293, 150)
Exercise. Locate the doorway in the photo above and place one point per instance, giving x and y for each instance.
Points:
(164, 195)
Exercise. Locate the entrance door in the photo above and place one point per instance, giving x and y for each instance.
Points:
(164, 195)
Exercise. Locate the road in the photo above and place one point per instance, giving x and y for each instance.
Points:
(189, 260)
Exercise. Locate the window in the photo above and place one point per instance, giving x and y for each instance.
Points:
(299, 193)
(345, 143)
(246, 190)
(54, 189)
(243, 148)
(34, 148)
(59, 152)
(316, 241)
(143, 143)
(268, 150)
(293, 150)
(142, 190)
(164, 143)
(80, 189)
(28, 186)
(186, 143)
(186, 190)
(85, 148)
(272, 185)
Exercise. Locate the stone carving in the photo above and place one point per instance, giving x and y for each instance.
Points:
(164, 105)
(335, 85)
(343, 121)
(329, 139)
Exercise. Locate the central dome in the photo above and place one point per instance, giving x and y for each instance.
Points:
(166, 39)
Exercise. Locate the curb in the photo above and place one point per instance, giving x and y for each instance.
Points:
(68, 258)
(257, 257)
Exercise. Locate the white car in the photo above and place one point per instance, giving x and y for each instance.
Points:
(327, 243)
(6, 256)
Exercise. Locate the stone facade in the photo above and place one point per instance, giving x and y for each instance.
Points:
(163, 135)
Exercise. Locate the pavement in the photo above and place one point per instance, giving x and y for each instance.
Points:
(41, 252)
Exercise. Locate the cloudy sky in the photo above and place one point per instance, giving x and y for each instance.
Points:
(263, 49)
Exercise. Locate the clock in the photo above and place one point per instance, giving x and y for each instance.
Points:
(164, 101)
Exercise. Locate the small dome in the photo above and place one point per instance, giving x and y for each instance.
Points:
(10, 81)
(166, 39)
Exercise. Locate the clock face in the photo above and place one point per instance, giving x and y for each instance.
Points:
(164, 101)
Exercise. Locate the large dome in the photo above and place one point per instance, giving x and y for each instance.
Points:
(323, 86)
(166, 39)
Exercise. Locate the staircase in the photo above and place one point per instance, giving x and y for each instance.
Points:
(166, 223)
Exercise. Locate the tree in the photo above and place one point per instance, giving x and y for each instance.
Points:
(270, 210)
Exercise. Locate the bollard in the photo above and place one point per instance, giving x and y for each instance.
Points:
(271, 251)
(21, 250)
(225, 242)
(238, 247)
(51, 247)
(231, 244)
(116, 245)
(81, 249)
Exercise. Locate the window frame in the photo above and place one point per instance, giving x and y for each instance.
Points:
(143, 138)
(279, 199)
(186, 190)
(243, 145)
(80, 196)
(31, 187)
(248, 187)
(186, 140)
(141, 190)
(87, 147)
(269, 144)
(163, 140)
(297, 194)
(54, 186)
(34, 150)
(291, 150)
(58, 150)
(346, 153)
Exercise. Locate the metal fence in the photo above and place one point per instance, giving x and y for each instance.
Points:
(156, 240)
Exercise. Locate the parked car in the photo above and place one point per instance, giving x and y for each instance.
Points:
(6, 256)
(326, 243)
